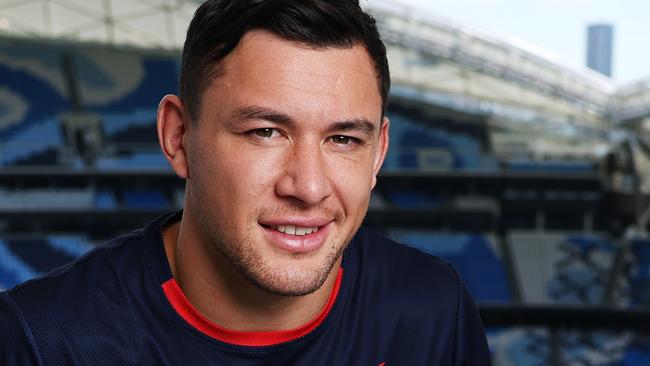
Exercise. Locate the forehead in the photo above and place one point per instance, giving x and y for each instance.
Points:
(266, 69)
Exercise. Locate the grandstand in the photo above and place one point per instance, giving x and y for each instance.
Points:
(540, 229)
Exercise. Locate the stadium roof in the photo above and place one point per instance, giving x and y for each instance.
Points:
(147, 23)
(446, 62)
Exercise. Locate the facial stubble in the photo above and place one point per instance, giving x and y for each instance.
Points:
(246, 258)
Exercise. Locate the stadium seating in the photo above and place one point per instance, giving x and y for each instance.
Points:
(32, 91)
(46, 199)
(637, 353)
(411, 199)
(34, 144)
(121, 88)
(105, 200)
(554, 166)
(419, 146)
(582, 272)
(136, 161)
(532, 346)
(124, 81)
(519, 346)
(145, 199)
(558, 267)
(118, 124)
(639, 272)
(566, 268)
(33, 86)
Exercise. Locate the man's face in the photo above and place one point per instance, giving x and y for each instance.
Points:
(283, 158)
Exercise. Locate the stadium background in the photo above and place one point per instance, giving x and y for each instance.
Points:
(529, 176)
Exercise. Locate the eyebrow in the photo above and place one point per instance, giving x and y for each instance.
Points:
(356, 124)
(264, 113)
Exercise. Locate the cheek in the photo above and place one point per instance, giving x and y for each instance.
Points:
(238, 176)
(353, 181)
(255, 171)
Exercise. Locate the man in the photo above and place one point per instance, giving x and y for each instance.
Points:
(279, 132)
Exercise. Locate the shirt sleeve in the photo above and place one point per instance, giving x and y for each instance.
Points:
(17, 346)
(471, 346)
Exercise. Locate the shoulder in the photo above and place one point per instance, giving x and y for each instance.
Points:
(17, 346)
(96, 266)
(66, 302)
(81, 287)
(421, 298)
(406, 276)
(399, 264)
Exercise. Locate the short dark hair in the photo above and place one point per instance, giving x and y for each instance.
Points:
(219, 25)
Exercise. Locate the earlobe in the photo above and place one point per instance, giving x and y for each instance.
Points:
(171, 126)
(382, 149)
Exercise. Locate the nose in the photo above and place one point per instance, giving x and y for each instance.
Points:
(305, 177)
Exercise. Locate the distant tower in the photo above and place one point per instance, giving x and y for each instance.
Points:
(599, 48)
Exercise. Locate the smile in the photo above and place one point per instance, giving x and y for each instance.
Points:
(295, 230)
(298, 236)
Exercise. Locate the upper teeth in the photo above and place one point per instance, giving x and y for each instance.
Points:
(295, 230)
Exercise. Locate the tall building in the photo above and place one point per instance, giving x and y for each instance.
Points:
(599, 48)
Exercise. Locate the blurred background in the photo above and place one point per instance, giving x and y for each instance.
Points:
(519, 153)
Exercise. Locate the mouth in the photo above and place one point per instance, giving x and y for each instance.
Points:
(295, 230)
(293, 238)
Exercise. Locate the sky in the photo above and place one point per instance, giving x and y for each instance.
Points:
(560, 27)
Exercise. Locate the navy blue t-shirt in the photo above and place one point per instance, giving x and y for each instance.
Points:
(119, 305)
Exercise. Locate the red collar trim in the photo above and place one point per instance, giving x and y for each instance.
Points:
(191, 315)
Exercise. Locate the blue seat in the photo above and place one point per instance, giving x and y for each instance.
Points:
(580, 278)
(145, 199)
(105, 200)
(639, 275)
(412, 199)
(410, 137)
(637, 353)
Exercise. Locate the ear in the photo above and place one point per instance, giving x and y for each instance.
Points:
(173, 124)
(382, 149)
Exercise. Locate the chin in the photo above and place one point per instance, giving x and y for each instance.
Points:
(290, 283)
(277, 271)
(295, 275)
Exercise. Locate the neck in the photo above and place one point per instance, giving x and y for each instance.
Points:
(217, 290)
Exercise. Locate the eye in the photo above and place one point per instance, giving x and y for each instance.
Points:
(343, 140)
(266, 132)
